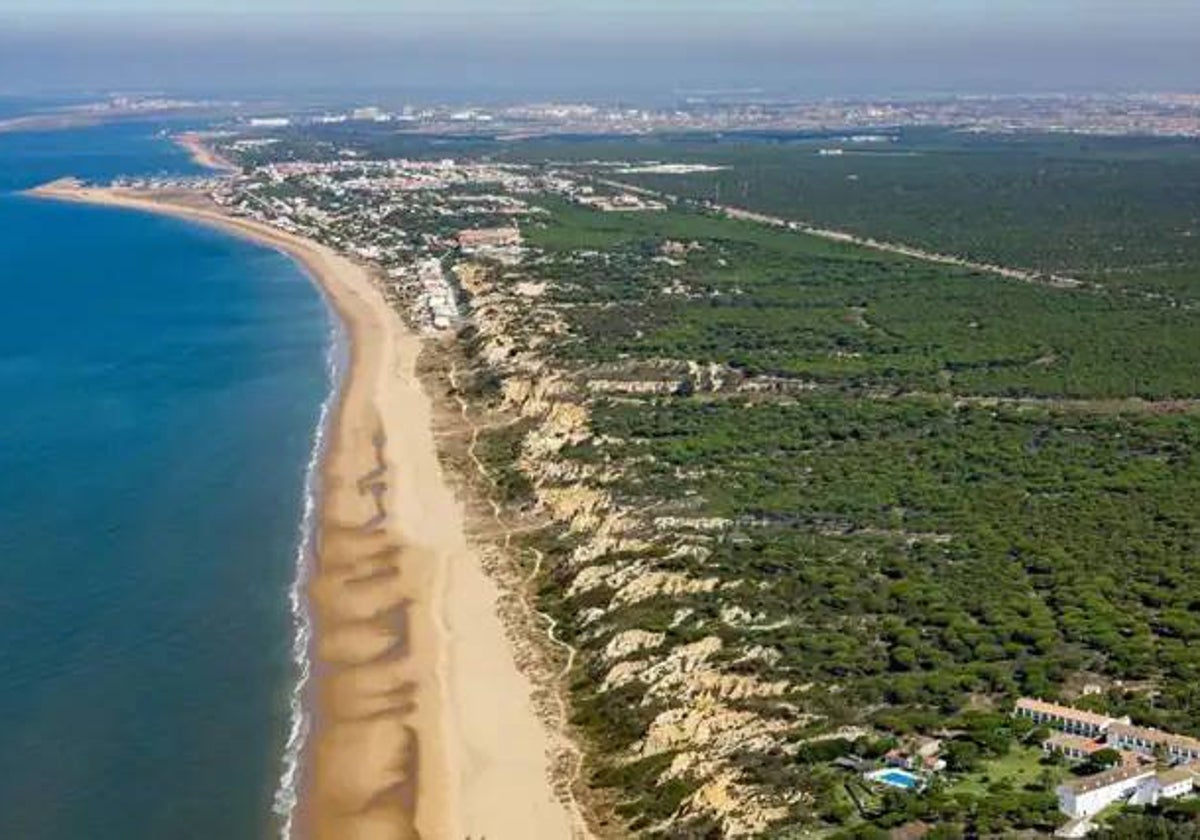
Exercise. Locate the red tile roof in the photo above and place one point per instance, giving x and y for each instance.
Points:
(1065, 712)
(1155, 736)
(1064, 741)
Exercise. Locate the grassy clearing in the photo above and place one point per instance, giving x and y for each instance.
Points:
(1022, 767)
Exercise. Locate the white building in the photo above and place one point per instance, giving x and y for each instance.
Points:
(1137, 784)
(1092, 794)
(1169, 784)
(1073, 721)
(1117, 733)
(437, 299)
(1146, 740)
(1072, 747)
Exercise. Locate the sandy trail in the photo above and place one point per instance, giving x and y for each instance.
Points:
(423, 724)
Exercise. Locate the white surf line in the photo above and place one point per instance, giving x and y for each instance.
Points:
(287, 793)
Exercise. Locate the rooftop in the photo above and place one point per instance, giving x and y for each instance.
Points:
(1154, 736)
(1110, 777)
(1067, 712)
(1176, 774)
(1075, 742)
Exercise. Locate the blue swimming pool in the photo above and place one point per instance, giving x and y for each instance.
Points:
(896, 778)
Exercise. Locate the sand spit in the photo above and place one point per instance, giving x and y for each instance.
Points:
(422, 724)
(202, 154)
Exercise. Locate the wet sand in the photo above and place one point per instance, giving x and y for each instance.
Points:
(423, 725)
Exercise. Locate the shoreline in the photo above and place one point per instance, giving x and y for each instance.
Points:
(202, 154)
(421, 723)
(287, 790)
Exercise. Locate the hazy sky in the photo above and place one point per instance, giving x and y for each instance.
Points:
(616, 47)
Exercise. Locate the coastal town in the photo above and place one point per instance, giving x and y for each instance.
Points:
(413, 219)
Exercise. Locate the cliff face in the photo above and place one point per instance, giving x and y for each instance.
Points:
(628, 581)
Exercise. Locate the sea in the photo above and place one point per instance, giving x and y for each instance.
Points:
(162, 389)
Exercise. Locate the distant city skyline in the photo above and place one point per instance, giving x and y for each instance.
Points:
(615, 47)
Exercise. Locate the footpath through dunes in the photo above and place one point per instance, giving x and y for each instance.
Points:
(423, 726)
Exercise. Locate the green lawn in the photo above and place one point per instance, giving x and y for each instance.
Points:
(1022, 766)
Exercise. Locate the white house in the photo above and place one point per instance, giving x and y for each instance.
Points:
(1092, 794)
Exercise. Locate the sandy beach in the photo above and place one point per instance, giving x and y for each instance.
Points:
(423, 726)
(202, 154)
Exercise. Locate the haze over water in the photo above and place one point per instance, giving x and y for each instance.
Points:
(161, 384)
(522, 49)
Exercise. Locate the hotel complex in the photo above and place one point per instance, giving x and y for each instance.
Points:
(1138, 778)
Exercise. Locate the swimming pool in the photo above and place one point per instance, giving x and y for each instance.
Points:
(896, 778)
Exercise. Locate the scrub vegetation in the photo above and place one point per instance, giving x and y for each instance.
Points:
(797, 503)
(911, 493)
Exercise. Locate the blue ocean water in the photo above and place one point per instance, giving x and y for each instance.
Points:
(160, 385)
(12, 105)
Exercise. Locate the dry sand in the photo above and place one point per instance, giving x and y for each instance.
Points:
(202, 154)
(423, 725)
